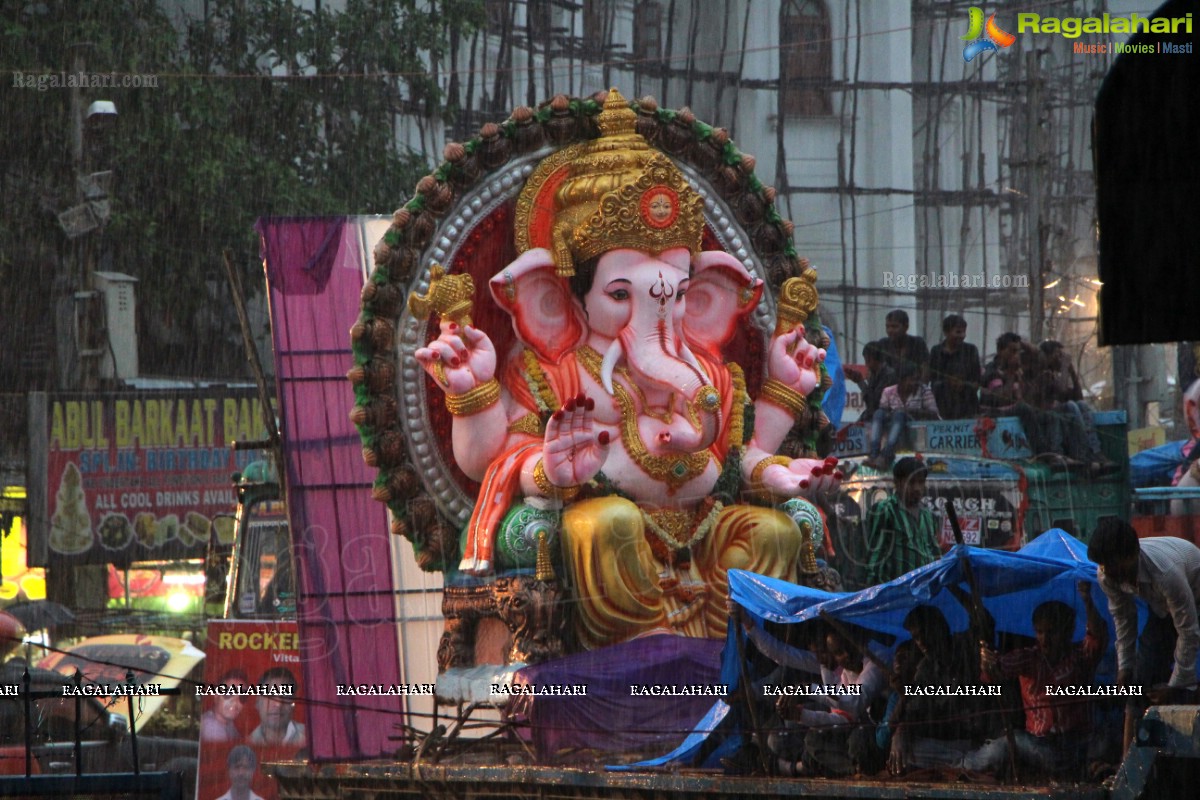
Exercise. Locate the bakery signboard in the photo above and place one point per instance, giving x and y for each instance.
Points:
(139, 476)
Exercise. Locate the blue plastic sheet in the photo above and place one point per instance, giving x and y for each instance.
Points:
(834, 401)
(1156, 466)
(1011, 586)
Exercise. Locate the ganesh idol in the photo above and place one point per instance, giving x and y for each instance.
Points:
(615, 408)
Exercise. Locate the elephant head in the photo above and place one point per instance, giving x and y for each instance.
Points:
(636, 313)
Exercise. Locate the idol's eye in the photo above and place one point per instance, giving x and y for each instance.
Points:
(619, 295)
(679, 295)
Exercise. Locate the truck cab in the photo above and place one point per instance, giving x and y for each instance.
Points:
(251, 575)
(1002, 494)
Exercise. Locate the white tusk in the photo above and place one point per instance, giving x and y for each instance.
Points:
(688, 357)
(611, 357)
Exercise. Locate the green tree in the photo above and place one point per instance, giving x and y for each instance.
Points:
(261, 108)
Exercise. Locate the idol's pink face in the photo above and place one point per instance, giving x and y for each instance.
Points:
(637, 312)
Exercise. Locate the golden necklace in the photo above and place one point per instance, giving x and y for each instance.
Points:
(673, 470)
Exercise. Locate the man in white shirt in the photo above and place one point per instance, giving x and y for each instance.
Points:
(275, 723)
(242, 764)
(1165, 573)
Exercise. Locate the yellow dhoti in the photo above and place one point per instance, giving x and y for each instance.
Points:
(623, 590)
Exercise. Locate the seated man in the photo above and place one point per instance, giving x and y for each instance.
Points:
(934, 729)
(816, 727)
(1070, 427)
(899, 347)
(954, 371)
(908, 399)
(871, 384)
(873, 745)
(1011, 388)
(1055, 739)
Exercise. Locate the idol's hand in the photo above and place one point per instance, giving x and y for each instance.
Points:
(460, 359)
(573, 451)
(795, 362)
(807, 477)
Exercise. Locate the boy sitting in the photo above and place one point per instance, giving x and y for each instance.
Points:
(908, 399)
(1055, 739)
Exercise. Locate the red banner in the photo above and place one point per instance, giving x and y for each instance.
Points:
(139, 476)
(252, 710)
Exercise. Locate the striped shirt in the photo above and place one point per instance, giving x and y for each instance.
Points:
(898, 541)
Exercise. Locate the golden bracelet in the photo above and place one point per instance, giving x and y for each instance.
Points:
(481, 397)
(530, 424)
(784, 396)
(564, 493)
(761, 467)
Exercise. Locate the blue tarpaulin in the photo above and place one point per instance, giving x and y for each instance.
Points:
(1011, 586)
(1156, 466)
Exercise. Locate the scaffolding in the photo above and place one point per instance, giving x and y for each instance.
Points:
(1001, 185)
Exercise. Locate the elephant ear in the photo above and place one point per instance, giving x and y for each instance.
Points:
(545, 316)
(721, 292)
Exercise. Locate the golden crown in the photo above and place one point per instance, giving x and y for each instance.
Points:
(611, 192)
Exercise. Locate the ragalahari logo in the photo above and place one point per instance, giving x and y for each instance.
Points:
(993, 37)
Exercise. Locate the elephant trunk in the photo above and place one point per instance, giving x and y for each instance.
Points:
(669, 379)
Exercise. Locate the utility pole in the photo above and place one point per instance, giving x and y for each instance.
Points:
(1035, 155)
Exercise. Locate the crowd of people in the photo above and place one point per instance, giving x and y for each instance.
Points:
(1045, 721)
(903, 380)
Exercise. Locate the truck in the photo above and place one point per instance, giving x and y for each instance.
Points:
(401, 653)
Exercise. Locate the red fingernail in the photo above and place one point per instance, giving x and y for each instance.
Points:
(452, 326)
(591, 404)
(570, 406)
(558, 414)
(602, 439)
(580, 398)
(454, 362)
(838, 474)
(830, 460)
(803, 484)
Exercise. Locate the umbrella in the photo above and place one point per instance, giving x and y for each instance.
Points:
(34, 615)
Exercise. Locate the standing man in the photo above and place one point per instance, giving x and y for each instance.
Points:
(900, 348)
(1165, 573)
(954, 371)
(901, 534)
